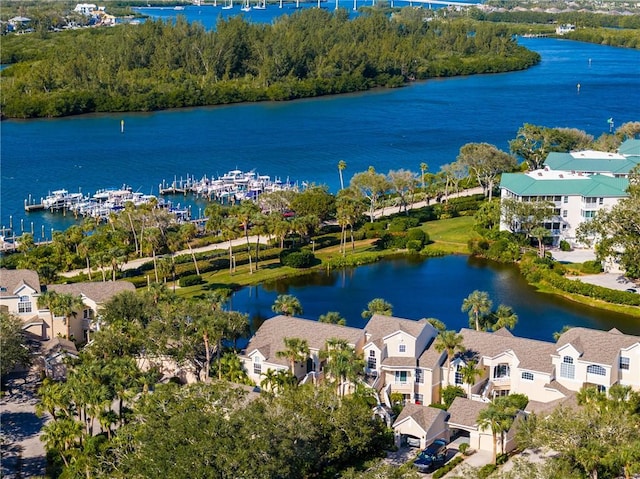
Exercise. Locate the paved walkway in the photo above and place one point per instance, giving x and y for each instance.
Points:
(23, 454)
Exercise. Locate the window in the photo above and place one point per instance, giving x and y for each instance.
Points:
(401, 377)
(402, 348)
(24, 304)
(87, 313)
(566, 199)
(595, 369)
(601, 389)
(567, 368)
(419, 376)
(564, 213)
(556, 198)
(600, 201)
(527, 376)
(458, 379)
(372, 363)
(588, 214)
(624, 363)
(257, 365)
(501, 371)
(419, 399)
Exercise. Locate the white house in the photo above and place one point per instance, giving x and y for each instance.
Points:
(85, 8)
(422, 424)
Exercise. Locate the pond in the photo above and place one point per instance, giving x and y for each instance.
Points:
(434, 287)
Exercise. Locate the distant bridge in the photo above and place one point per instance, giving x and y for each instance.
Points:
(429, 3)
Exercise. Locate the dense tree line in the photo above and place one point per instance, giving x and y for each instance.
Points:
(582, 19)
(313, 52)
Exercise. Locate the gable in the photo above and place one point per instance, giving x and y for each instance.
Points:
(569, 350)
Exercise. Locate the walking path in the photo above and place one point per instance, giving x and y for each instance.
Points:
(379, 213)
(23, 454)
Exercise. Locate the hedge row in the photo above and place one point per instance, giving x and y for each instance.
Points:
(447, 467)
(591, 290)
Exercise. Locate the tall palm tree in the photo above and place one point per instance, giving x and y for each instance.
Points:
(47, 300)
(423, 169)
(296, 350)
(287, 304)
(377, 306)
(477, 304)
(244, 213)
(68, 305)
(451, 342)
(332, 317)
(470, 372)
(342, 165)
(498, 417)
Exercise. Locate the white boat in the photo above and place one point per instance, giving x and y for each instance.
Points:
(228, 6)
(261, 5)
(178, 7)
(246, 7)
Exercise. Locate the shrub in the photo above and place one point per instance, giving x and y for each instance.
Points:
(565, 246)
(416, 234)
(592, 267)
(447, 467)
(414, 245)
(402, 223)
(449, 393)
(464, 447)
(297, 259)
(486, 470)
(504, 251)
(192, 280)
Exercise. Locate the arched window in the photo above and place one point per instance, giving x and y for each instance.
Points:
(596, 369)
(567, 368)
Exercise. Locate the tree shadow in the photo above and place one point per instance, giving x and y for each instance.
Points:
(21, 425)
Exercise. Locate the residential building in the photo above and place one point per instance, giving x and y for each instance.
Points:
(592, 162)
(420, 425)
(576, 197)
(261, 353)
(399, 356)
(94, 295)
(85, 8)
(589, 357)
(19, 293)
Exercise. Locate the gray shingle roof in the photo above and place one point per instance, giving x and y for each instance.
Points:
(424, 416)
(12, 279)
(534, 355)
(380, 326)
(400, 361)
(98, 292)
(269, 339)
(464, 412)
(430, 358)
(597, 346)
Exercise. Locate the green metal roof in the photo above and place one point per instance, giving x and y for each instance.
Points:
(630, 147)
(596, 185)
(566, 162)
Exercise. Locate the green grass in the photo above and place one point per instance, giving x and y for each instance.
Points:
(450, 235)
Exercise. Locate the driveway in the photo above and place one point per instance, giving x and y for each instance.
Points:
(23, 454)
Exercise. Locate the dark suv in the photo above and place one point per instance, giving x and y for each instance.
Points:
(434, 456)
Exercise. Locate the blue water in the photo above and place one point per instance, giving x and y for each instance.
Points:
(304, 140)
(419, 289)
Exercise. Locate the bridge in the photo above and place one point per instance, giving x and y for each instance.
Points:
(429, 3)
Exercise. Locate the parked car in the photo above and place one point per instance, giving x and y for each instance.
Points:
(632, 290)
(434, 456)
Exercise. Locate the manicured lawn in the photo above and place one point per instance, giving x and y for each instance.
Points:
(450, 235)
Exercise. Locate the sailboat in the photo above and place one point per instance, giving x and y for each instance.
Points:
(261, 5)
(246, 7)
(228, 6)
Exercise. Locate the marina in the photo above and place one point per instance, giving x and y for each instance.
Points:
(230, 188)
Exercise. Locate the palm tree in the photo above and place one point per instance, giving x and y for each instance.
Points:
(504, 317)
(451, 342)
(492, 418)
(287, 304)
(61, 436)
(244, 214)
(423, 169)
(470, 372)
(342, 165)
(47, 300)
(343, 363)
(188, 231)
(332, 317)
(436, 323)
(296, 350)
(377, 306)
(477, 303)
(68, 305)
(54, 397)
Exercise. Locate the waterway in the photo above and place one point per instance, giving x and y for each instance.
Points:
(431, 288)
(304, 140)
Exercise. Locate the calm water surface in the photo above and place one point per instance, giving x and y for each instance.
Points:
(434, 287)
(304, 140)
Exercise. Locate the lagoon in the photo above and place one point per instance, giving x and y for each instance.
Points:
(424, 288)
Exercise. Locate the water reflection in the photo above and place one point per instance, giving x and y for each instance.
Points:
(433, 287)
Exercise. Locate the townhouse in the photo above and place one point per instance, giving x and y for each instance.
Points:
(21, 288)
